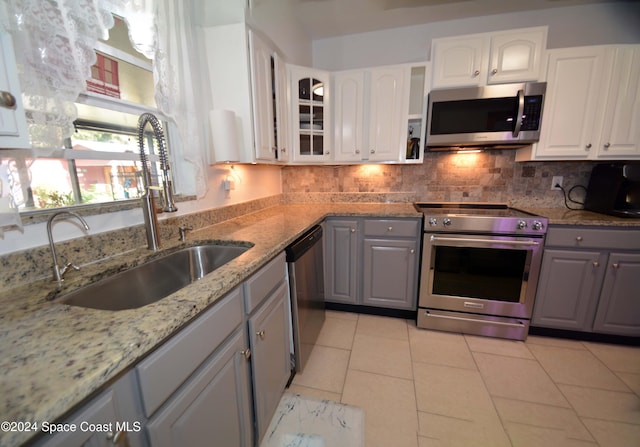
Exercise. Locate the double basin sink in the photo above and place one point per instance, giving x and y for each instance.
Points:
(154, 280)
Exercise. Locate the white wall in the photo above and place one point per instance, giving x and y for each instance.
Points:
(593, 24)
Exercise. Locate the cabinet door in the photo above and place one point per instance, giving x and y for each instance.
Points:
(570, 117)
(282, 134)
(458, 61)
(568, 289)
(13, 124)
(619, 307)
(262, 72)
(348, 115)
(213, 408)
(310, 116)
(271, 359)
(390, 278)
(388, 113)
(620, 130)
(516, 57)
(341, 260)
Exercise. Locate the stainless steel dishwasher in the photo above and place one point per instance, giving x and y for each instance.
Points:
(306, 285)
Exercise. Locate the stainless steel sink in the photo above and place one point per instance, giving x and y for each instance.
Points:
(153, 280)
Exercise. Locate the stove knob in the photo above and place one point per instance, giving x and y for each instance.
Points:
(446, 221)
(521, 225)
(537, 225)
(433, 221)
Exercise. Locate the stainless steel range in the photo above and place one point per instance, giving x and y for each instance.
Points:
(480, 268)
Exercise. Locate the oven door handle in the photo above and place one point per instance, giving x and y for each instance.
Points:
(483, 241)
(475, 320)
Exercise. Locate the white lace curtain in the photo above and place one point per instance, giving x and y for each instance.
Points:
(54, 43)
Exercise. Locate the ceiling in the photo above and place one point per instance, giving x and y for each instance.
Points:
(331, 18)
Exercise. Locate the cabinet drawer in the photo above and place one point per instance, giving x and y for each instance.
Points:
(258, 287)
(167, 368)
(391, 227)
(610, 239)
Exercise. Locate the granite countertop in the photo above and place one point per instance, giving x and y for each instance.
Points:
(54, 356)
(564, 216)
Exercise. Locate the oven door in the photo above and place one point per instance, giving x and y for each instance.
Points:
(489, 275)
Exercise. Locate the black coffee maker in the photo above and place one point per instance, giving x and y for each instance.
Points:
(614, 189)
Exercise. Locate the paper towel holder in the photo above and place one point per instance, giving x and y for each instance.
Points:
(224, 137)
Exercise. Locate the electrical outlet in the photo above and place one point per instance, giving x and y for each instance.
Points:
(556, 180)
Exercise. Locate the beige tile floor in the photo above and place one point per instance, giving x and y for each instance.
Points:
(422, 388)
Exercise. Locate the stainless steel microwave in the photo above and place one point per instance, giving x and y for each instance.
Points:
(497, 116)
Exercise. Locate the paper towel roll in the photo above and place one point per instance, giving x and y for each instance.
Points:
(224, 137)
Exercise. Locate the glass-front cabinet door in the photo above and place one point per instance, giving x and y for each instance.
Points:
(310, 114)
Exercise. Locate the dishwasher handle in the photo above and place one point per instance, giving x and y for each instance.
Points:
(301, 245)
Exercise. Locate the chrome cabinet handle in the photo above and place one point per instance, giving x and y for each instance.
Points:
(246, 353)
(588, 146)
(579, 238)
(615, 265)
(7, 100)
(117, 437)
(284, 149)
(353, 230)
(390, 228)
(357, 151)
(373, 151)
(261, 334)
(607, 146)
(494, 71)
(412, 251)
(596, 264)
(476, 73)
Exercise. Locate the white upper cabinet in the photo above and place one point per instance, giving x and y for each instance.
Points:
(388, 110)
(268, 75)
(592, 105)
(378, 114)
(488, 58)
(310, 114)
(13, 124)
(348, 115)
(620, 136)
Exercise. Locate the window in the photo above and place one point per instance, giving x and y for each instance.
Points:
(100, 162)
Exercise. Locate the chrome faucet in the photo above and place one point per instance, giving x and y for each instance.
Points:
(58, 273)
(148, 201)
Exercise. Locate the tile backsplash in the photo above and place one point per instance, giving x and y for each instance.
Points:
(492, 176)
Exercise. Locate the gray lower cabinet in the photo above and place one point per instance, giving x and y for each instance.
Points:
(341, 260)
(267, 308)
(589, 281)
(111, 419)
(372, 262)
(212, 408)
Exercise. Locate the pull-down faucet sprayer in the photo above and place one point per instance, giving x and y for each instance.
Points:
(148, 202)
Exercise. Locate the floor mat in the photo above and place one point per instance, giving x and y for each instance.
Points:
(302, 421)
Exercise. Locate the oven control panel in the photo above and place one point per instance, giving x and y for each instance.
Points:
(481, 224)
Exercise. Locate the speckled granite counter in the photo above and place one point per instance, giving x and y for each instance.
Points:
(564, 216)
(52, 356)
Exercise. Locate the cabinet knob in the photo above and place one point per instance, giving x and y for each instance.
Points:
(615, 265)
(353, 230)
(246, 353)
(390, 228)
(588, 146)
(494, 71)
(579, 238)
(7, 100)
(284, 149)
(596, 264)
(412, 251)
(261, 334)
(357, 151)
(373, 151)
(118, 437)
(476, 73)
(607, 145)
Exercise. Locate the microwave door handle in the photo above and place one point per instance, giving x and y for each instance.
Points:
(516, 129)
